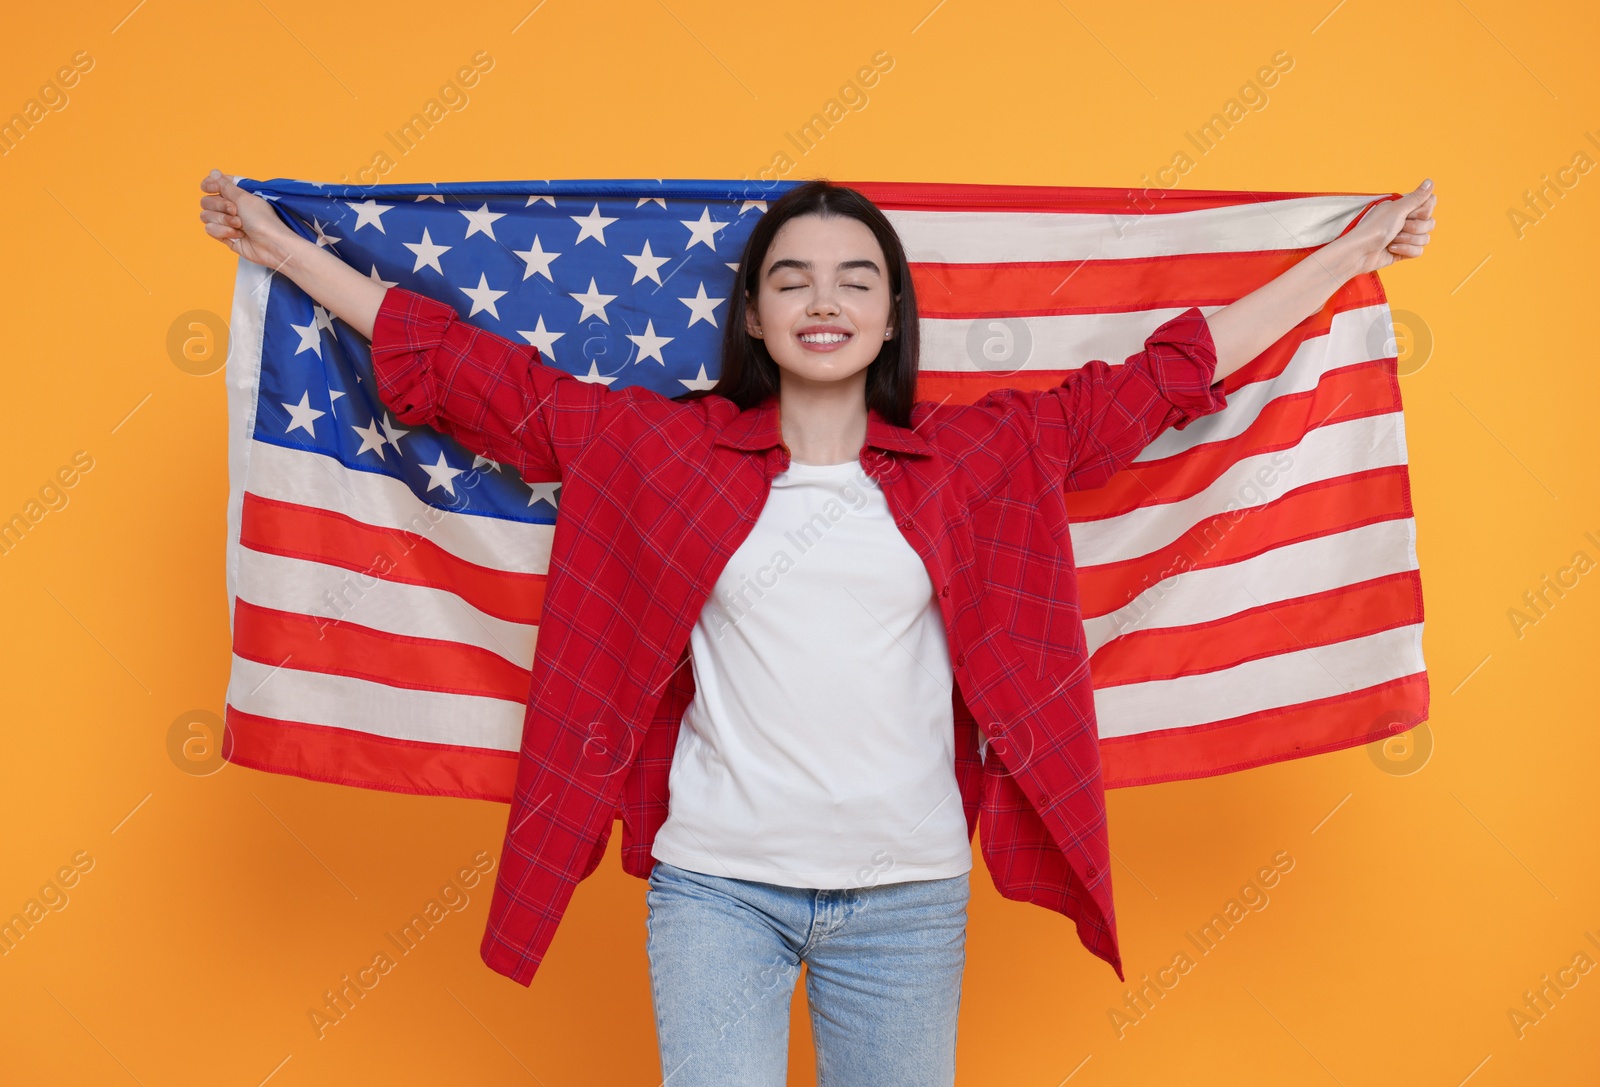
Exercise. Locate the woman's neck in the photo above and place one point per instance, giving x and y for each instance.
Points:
(823, 423)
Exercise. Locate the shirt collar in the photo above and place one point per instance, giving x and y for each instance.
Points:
(757, 428)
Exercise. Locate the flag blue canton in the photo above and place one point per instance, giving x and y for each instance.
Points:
(620, 282)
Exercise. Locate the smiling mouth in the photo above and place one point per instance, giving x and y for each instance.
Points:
(824, 340)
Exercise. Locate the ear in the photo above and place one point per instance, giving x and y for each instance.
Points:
(752, 319)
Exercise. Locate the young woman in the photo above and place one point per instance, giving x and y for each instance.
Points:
(813, 815)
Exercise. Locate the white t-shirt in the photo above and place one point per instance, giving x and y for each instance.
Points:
(818, 750)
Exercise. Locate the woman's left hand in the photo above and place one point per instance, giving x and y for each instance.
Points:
(1393, 230)
(1388, 231)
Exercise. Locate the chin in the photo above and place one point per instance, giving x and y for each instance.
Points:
(833, 368)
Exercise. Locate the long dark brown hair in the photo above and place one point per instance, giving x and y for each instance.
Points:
(748, 373)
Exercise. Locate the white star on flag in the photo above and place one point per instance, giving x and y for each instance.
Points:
(594, 303)
(369, 213)
(371, 440)
(537, 261)
(699, 381)
(310, 337)
(441, 474)
(392, 433)
(483, 297)
(650, 344)
(646, 264)
(702, 307)
(542, 338)
(302, 415)
(428, 254)
(482, 221)
(593, 225)
(703, 230)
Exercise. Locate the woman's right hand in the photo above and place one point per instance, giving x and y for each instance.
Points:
(243, 221)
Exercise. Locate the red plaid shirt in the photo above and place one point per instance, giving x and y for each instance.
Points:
(658, 494)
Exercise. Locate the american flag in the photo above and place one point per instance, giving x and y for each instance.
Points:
(1249, 584)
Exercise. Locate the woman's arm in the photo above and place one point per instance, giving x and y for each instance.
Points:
(246, 223)
(493, 395)
(1092, 425)
(1389, 231)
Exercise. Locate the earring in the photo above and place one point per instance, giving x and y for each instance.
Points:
(886, 334)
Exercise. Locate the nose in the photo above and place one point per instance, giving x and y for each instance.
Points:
(822, 303)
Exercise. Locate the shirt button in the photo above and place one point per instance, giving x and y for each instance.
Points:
(944, 590)
(961, 659)
(905, 522)
(1093, 871)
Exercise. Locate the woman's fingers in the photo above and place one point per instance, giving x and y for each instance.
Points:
(223, 229)
(220, 210)
(1406, 222)
(219, 206)
(1416, 201)
(1417, 204)
(1408, 245)
(215, 212)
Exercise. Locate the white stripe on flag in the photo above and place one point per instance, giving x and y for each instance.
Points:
(1328, 452)
(246, 332)
(313, 479)
(1010, 237)
(1284, 573)
(376, 708)
(412, 611)
(1351, 339)
(1285, 679)
(1062, 341)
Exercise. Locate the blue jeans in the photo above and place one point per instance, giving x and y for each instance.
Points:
(883, 980)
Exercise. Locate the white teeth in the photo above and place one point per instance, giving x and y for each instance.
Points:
(824, 337)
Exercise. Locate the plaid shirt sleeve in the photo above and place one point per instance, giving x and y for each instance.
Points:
(496, 397)
(1086, 429)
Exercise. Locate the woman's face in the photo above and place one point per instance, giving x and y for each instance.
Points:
(824, 303)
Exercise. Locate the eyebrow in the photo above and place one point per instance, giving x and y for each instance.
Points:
(805, 265)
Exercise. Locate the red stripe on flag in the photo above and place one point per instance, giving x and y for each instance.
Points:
(966, 386)
(389, 554)
(345, 757)
(341, 648)
(1284, 626)
(1042, 288)
(1341, 395)
(1257, 739)
(1317, 509)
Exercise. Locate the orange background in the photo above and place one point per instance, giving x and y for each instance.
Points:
(1424, 900)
